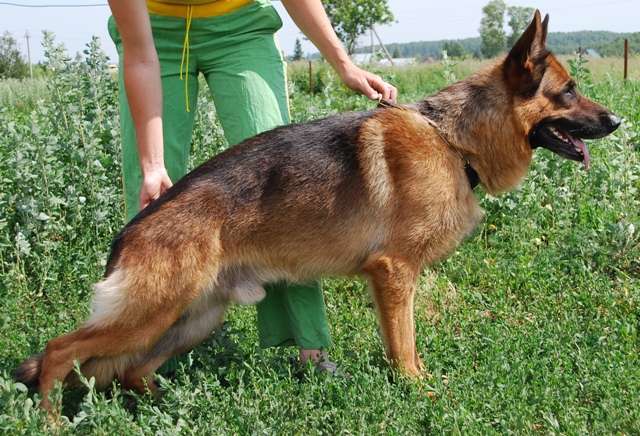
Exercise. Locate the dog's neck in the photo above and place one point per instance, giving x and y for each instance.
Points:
(472, 174)
(476, 118)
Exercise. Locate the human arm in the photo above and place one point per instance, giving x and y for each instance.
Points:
(141, 70)
(311, 18)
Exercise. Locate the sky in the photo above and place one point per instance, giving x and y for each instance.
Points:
(416, 20)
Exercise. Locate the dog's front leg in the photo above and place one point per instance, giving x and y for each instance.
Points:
(393, 283)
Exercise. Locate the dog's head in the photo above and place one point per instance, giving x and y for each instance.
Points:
(548, 105)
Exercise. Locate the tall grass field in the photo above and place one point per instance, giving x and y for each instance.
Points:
(531, 326)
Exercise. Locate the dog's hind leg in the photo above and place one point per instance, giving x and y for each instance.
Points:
(128, 318)
(102, 369)
(135, 370)
(193, 327)
(199, 320)
(393, 283)
(100, 341)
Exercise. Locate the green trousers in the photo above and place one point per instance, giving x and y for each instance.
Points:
(244, 70)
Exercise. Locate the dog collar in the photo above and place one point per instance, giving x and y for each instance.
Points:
(472, 174)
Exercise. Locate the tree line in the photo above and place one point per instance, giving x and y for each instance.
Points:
(603, 42)
(500, 27)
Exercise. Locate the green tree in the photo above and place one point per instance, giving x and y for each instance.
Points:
(352, 18)
(298, 54)
(454, 49)
(492, 28)
(519, 19)
(12, 64)
(615, 47)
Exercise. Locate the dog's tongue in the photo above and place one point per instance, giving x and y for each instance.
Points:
(579, 144)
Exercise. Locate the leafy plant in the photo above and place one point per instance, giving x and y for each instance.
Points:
(447, 68)
(580, 71)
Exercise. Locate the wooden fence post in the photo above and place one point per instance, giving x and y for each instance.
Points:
(310, 77)
(626, 59)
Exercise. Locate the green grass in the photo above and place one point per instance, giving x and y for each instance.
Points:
(531, 326)
(21, 94)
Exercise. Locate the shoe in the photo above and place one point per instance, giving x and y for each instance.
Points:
(325, 366)
(321, 366)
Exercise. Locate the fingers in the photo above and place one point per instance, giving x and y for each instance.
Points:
(153, 187)
(387, 91)
(146, 198)
(369, 84)
(144, 202)
(363, 86)
(394, 94)
(379, 85)
(166, 183)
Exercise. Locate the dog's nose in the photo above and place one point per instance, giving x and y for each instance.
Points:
(609, 121)
(615, 121)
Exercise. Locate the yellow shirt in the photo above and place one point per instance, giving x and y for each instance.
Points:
(187, 2)
(194, 8)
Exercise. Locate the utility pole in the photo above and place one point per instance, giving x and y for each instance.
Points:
(27, 36)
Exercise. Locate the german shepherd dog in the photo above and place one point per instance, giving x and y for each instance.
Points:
(379, 194)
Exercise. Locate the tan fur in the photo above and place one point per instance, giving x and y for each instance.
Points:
(375, 168)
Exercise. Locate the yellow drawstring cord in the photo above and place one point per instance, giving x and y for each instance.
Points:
(185, 55)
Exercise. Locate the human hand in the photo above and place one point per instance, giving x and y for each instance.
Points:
(154, 183)
(369, 84)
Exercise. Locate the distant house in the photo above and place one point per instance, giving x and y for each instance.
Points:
(376, 58)
(361, 58)
(589, 52)
(398, 62)
(592, 53)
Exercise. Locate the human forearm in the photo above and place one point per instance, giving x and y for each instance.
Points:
(141, 70)
(144, 94)
(312, 19)
(142, 83)
(142, 79)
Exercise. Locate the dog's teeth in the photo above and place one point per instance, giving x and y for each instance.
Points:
(560, 134)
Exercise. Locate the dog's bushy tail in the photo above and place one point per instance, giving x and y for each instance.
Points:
(28, 373)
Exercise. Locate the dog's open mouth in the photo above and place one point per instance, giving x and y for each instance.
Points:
(553, 137)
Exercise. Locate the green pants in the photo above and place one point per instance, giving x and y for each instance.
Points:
(243, 67)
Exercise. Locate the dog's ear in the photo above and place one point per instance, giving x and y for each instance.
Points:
(526, 63)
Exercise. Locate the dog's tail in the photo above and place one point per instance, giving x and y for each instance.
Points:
(28, 372)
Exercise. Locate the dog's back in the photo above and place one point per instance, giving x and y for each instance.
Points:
(282, 186)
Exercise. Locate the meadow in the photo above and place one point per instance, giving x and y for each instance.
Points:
(531, 326)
